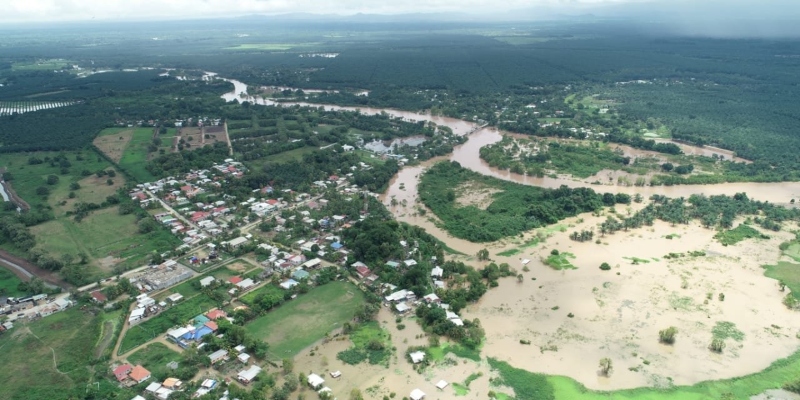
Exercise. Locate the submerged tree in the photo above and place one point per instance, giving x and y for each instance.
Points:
(606, 366)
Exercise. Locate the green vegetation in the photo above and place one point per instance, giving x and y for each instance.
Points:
(155, 358)
(156, 326)
(560, 260)
(526, 385)
(515, 209)
(736, 235)
(9, 284)
(667, 335)
(370, 343)
(299, 323)
(438, 353)
(135, 156)
(786, 273)
(724, 330)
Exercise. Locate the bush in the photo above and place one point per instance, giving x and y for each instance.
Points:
(717, 345)
(554, 252)
(605, 267)
(667, 335)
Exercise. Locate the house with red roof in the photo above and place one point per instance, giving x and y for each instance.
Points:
(139, 374)
(198, 216)
(99, 297)
(236, 279)
(272, 202)
(121, 372)
(363, 271)
(212, 325)
(216, 314)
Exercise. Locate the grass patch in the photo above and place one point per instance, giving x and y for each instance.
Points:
(736, 235)
(134, 158)
(269, 290)
(9, 283)
(637, 260)
(299, 323)
(438, 353)
(370, 343)
(723, 330)
(786, 272)
(155, 358)
(460, 389)
(29, 371)
(140, 334)
(526, 385)
(560, 261)
(509, 253)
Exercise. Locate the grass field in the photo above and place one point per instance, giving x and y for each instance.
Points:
(28, 362)
(113, 141)
(786, 272)
(9, 283)
(104, 233)
(560, 261)
(301, 322)
(250, 297)
(158, 325)
(155, 358)
(134, 158)
(27, 178)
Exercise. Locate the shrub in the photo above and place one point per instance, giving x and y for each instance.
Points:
(667, 335)
(554, 252)
(605, 267)
(717, 345)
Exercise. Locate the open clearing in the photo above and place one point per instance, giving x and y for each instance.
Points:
(113, 141)
(475, 194)
(135, 156)
(301, 322)
(155, 358)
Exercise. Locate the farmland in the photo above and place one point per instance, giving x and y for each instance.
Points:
(134, 157)
(299, 323)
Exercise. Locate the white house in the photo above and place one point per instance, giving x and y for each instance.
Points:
(315, 381)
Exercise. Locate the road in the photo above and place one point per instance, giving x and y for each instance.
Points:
(172, 210)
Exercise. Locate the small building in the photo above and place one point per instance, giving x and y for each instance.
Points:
(139, 374)
(300, 274)
(175, 297)
(437, 272)
(363, 271)
(432, 298)
(216, 314)
(249, 375)
(246, 284)
(312, 263)
(99, 297)
(336, 374)
(153, 387)
(417, 357)
(441, 384)
(417, 394)
(288, 284)
(172, 383)
(121, 372)
(207, 281)
(315, 381)
(243, 358)
(234, 243)
(402, 308)
(219, 355)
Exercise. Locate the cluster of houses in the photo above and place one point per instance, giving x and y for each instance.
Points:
(201, 325)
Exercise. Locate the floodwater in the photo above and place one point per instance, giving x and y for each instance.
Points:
(575, 317)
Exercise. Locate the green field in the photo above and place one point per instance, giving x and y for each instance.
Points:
(736, 235)
(250, 297)
(9, 283)
(134, 159)
(299, 323)
(104, 233)
(27, 177)
(786, 272)
(155, 358)
(157, 326)
(364, 338)
(28, 362)
(560, 261)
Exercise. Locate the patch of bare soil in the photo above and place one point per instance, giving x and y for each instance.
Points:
(475, 194)
(114, 145)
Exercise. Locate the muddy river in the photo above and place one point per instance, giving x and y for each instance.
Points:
(575, 317)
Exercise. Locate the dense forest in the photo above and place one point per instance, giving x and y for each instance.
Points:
(513, 209)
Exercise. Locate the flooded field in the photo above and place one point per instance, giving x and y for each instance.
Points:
(573, 318)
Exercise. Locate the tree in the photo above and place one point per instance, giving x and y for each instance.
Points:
(288, 366)
(606, 366)
(109, 181)
(74, 186)
(483, 255)
(667, 167)
(667, 336)
(111, 173)
(52, 179)
(605, 267)
(42, 191)
(717, 345)
(519, 278)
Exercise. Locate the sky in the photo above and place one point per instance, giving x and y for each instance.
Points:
(681, 12)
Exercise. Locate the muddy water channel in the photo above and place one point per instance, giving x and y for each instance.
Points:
(572, 318)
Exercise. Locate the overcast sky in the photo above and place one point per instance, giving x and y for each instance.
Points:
(84, 10)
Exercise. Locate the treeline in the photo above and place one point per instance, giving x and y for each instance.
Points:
(515, 209)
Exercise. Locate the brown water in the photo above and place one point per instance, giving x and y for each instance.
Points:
(616, 316)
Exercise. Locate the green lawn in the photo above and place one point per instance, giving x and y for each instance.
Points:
(155, 358)
(134, 159)
(9, 283)
(157, 326)
(299, 323)
(250, 297)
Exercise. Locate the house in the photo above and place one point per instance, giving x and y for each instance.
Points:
(392, 264)
(236, 279)
(99, 297)
(363, 271)
(437, 272)
(336, 374)
(312, 263)
(139, 374)
(315, 381)
(300, 274)
(219, 355)
(397, 296)
(246, 284)
(249, 375)
(153, 387)
(216, 314)
(122, 372)
(402, 308)
(288, 284)
(432, 298)
(417, 394)
(206, 281)
(441, 385)
(234, 243)
(417, 357)
(138, 398)
(172, 383)
(243, 358)
(175, 297)
(410, 263)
